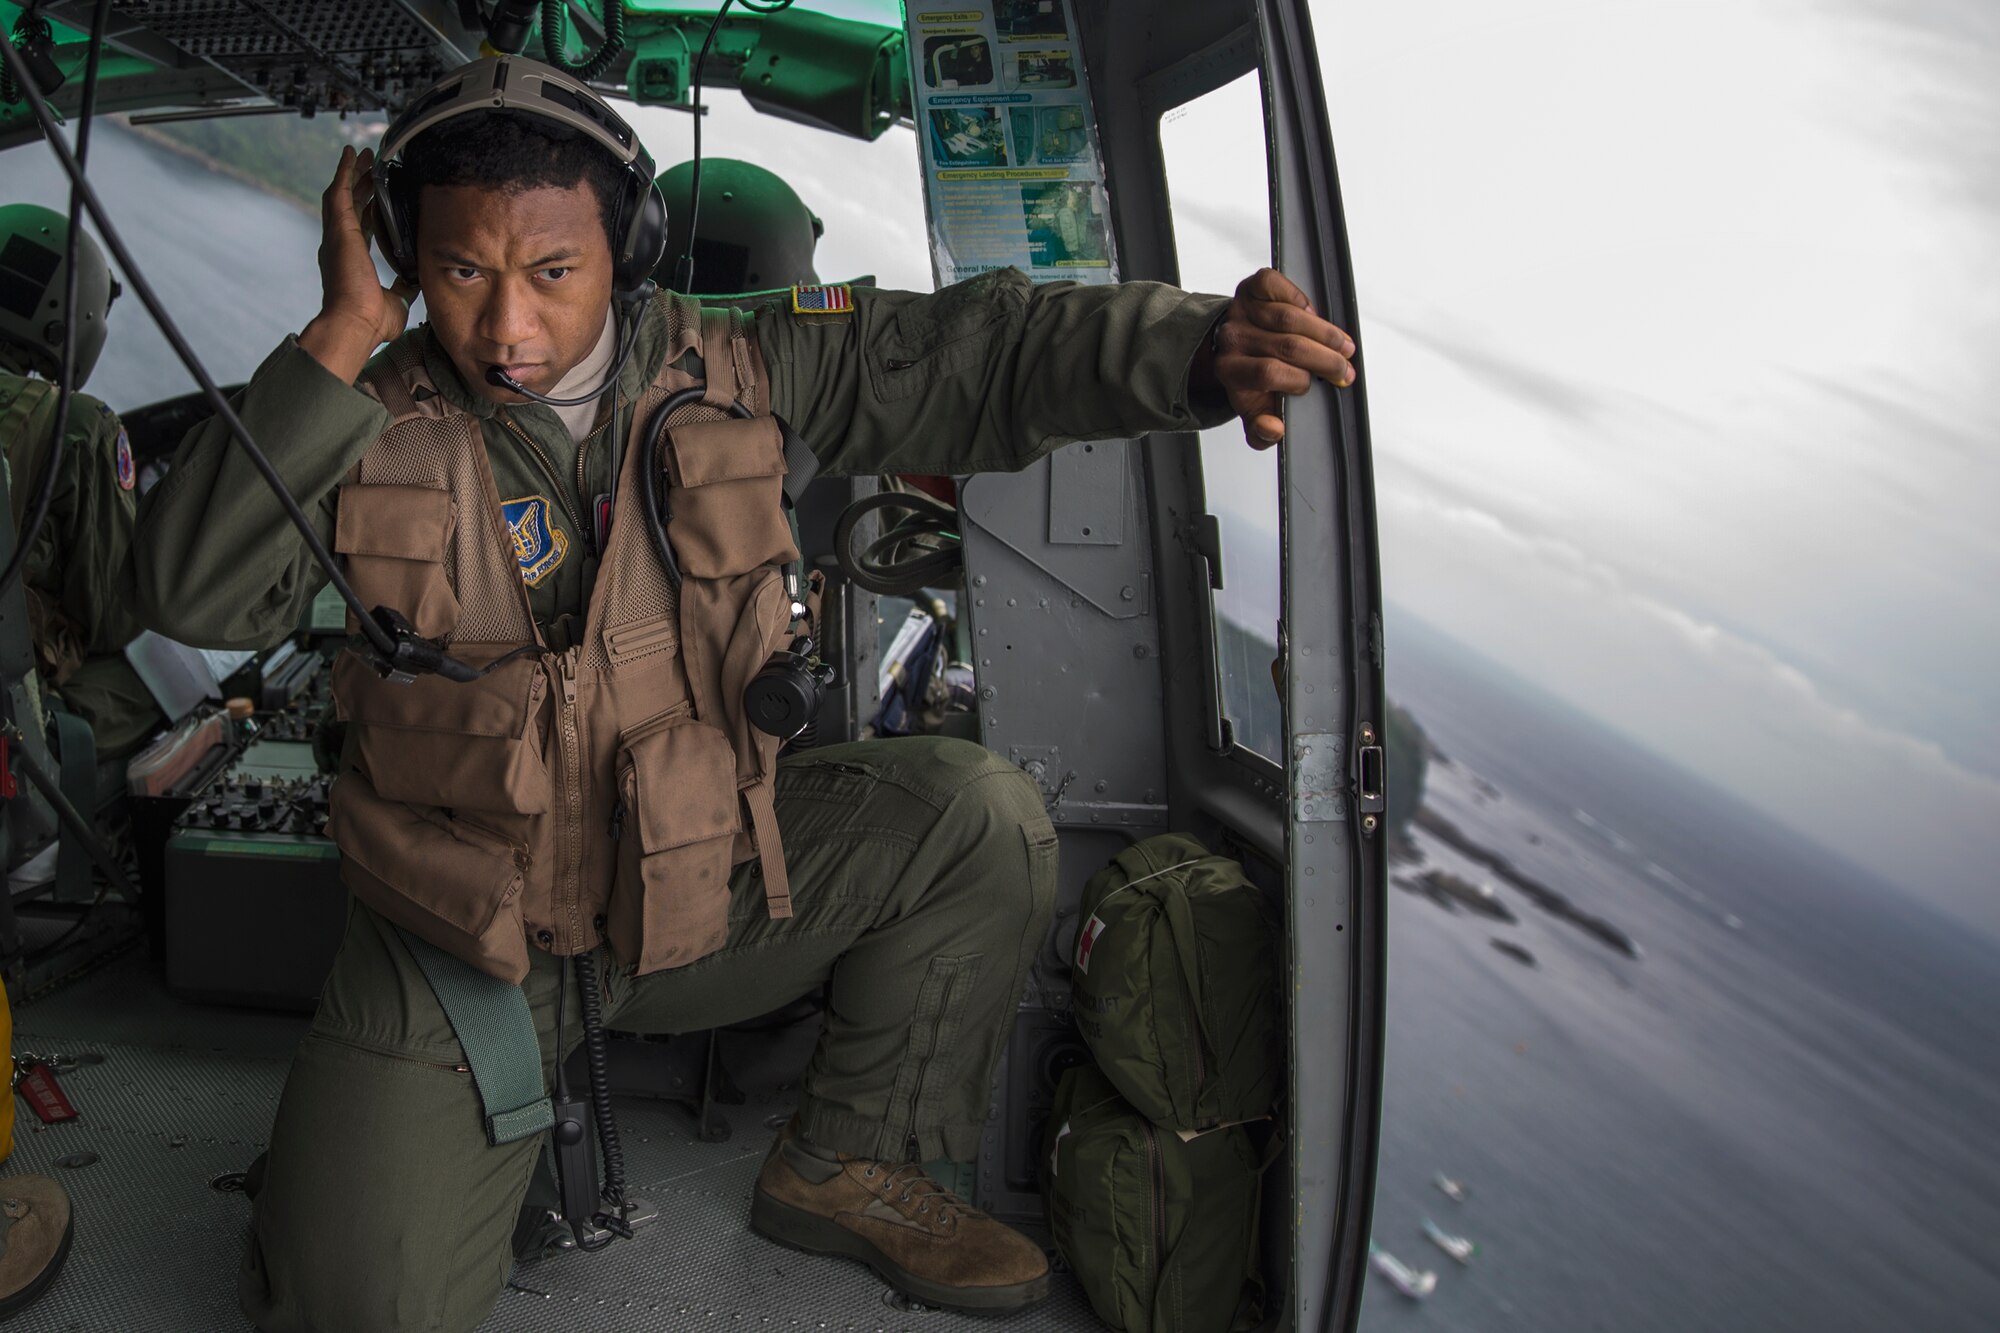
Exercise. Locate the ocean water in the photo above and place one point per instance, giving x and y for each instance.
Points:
(1781, 1117)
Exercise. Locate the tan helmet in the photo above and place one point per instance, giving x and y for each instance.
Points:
(756, 234)
(33, 241)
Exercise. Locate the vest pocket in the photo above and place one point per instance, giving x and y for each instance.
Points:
(392, 540)
(676, 823)
(448, 881)
(728, 498)
(471, 746)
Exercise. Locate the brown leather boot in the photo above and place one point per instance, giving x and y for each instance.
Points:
(918, 1236)
(34, 1238)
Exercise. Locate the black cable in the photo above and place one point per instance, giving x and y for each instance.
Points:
(595, 64)
(658, 512)
(920, 550)
(684, 270)
(45, 493)
(598, 1062)
(388, 632)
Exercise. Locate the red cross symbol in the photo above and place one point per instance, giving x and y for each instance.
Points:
(1085, 941)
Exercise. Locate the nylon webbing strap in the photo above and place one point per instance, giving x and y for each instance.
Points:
(494, 1026)
(801, 463)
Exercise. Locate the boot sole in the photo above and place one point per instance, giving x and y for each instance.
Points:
(25, 1297)
(797, 1229)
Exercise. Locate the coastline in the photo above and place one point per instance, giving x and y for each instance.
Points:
(235, 173)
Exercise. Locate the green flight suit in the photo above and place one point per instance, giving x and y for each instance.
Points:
(74, 572)
(922, 870)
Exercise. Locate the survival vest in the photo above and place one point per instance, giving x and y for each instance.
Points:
(602, 792)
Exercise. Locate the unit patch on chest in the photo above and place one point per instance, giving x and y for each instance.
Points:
(539, 545)
(128, 475)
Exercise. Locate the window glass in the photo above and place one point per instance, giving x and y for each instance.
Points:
(870, 196)
(1218, 182)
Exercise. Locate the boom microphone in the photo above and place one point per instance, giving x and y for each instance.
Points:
(634, 305)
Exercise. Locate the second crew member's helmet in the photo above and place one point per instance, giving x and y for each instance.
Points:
(33, 244)
(755, 233)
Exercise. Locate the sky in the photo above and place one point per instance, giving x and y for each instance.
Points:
(1675, 329)
(1676, 322)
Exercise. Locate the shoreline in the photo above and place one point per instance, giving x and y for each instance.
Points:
(221, 168)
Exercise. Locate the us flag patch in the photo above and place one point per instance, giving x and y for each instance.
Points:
(829, 299)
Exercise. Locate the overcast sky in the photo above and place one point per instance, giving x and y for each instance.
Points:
(1680, 320)
(1678, 328)
(1680, 324)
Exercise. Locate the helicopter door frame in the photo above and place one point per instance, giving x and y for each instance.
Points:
(1336, 861)
(1314, 820)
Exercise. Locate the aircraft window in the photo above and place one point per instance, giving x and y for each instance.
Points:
(869, 195)
(1219, 187)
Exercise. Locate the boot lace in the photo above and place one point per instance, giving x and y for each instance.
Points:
(920, 1189)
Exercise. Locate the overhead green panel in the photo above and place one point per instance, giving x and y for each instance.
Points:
(888, 13)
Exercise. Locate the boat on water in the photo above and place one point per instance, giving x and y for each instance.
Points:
(1411, 1282)
(1451, 1188)
(1458, 1247)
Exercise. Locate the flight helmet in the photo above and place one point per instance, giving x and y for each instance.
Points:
(755, 233)
(33, 244)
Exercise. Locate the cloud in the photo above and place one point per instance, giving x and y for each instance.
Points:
(1513, 376)
(1753, 720)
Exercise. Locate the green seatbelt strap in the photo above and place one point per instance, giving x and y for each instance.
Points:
(494, 1026)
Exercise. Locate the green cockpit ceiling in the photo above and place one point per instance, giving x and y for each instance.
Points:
(837, 65)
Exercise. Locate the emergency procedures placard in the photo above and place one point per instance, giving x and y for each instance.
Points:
(1012, 174)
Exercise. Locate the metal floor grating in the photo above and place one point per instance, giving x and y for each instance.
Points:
(185, 1093)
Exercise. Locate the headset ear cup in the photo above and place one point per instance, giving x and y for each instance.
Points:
(645, 239)
(395, 229)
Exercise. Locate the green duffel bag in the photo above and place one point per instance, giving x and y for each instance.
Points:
(1160, 1232)
(1176, 984)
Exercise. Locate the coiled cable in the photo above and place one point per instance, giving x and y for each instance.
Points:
(922, 549)
(598, 1062)
(596, 63)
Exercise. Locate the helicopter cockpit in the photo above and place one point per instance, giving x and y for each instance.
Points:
(1169, 635)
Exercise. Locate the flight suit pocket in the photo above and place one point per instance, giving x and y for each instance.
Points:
(676, 823)
(728, 498)
(392, 541)
(468, 745)
(920, 341)
(444, 879)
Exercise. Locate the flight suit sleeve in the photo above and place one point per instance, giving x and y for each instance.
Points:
(987, 375)
(97, 526)
(215, 562)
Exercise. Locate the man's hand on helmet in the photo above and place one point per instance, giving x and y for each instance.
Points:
(357, 313)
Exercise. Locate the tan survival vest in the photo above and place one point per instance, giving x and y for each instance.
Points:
(602, 792)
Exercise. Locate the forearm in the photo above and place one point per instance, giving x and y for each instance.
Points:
(216, 562)
(990, 375)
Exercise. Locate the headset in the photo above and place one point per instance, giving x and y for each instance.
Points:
(515, 83)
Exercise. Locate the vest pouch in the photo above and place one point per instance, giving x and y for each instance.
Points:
(392, 542)
(445, 879)
(677, 823)
(1160, 1229)
(469, 745)
(728, 497)
(1176, 982)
